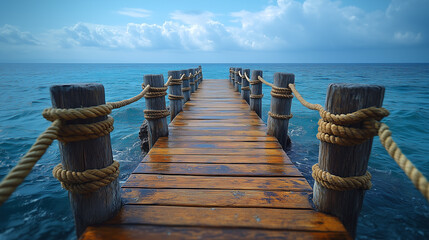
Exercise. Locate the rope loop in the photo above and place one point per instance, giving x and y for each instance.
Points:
(280, 116)
(279, 92)
(186, 89)
(155, 114)
(175, 97)
(155, 92)
(87, 181)
(246, 88)
(256, 96)
(338, 183)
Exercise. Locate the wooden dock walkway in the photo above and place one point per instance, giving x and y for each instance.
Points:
(217, 176)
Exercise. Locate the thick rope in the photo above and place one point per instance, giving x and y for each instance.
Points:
(87, 181)
(80, 132)
(172, 81)
(155, 114)
(155, 92)
(246, 88)
(256, 96)
(280, 116)
(337, 183)
(175, 97)
(186, 89)
(278, 92)
(18, 173)
(416, 177)
(246, 77)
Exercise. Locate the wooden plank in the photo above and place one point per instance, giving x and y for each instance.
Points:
(221, 138)
(223, 128)
(266, 218)
(219, 151)
(219, 132)
(217, 159)
(204, 182)
(216, 198)
(216, 145)
(198, 233)
(243, 121)
(219, 123)
(212, 116)
(201, 169)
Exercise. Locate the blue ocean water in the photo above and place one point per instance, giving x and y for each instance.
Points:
(39, 209)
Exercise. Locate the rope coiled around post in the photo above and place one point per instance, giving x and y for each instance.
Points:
(332, 129)
(256, 96)
(337, 183)
(63, 132)
(87, 181)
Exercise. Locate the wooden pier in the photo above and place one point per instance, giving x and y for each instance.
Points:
(218, 175)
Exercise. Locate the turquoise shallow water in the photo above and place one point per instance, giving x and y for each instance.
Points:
(39, 209)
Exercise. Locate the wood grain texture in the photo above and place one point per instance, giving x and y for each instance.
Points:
(185, 84)
(217, 159)
(200, 169)
(346, 161)
(176, 105)
(198, 233)
(156, 127)
(265, 218)
(244, 83)
(216, 182)
(79, 156)
(256, 89)
(281, 106)
(216, 198)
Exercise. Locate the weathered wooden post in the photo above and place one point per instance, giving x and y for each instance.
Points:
(196, 81)
(201, 73)
(238, 80)
(186, 89)
(230, 74)
(279, 114)
(256, 92)
(346, 161)
(175, 94)
(192, 80)
(78, 156)
(156, 112)
(245, 88)
(233, 78)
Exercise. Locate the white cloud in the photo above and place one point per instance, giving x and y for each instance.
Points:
(283, 25)
(12, 35)
(135, 12)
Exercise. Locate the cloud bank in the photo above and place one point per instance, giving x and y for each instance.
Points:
(282, 26)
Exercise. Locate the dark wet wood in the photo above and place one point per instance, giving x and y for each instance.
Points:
(265, 170)
(197, 233)
(218, 175)
(346, 161)
(79, 156)
(217, 198)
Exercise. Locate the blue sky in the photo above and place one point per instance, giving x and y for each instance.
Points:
(196, 31)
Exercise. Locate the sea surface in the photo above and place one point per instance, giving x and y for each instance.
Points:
(39, 209)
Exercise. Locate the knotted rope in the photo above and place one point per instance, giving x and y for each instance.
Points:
(62, 131)
(87, 181)
(337, 183)
(176, 82)
(280, 116)
(151, 114)
(332, 129)
(256, 96)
